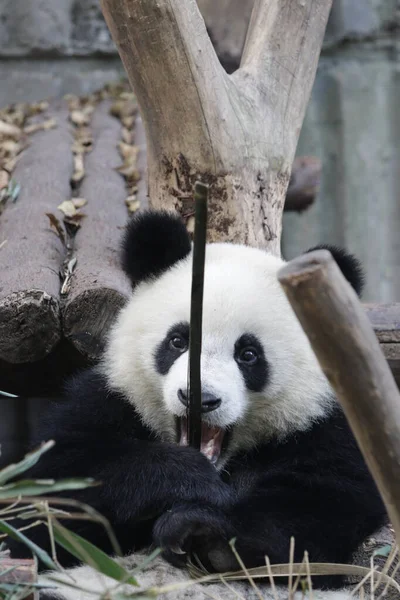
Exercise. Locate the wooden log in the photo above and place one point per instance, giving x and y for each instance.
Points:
(98, 286)
(20, 571)
(349, 353)
(31, 258)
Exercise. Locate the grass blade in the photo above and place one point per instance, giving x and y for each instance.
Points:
(42, 486)
(91, 555)
(26, 463)
(20, 537)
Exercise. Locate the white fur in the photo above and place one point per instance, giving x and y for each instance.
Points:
(241, 295)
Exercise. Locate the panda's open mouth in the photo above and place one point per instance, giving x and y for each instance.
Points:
(213, 439)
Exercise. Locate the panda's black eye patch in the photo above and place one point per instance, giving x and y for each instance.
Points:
(175, 343)
(250, 357)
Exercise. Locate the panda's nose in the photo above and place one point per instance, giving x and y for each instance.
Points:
(209, 402)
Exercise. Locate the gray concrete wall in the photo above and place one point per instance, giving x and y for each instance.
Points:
(53, 47)
(353, 124)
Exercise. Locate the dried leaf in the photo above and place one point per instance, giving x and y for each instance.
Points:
(79, 118)
(132, 203)
(128, 152)
(127, 136)
(42, 126)
(75, 219)
(37, 108)
(74, 102)
(55, 223)
(68, 208)
(9, 165)
(66, 286)
(4, 179)
(130, 172)
(128, 122)
(9, 130)
(79, 202)
(79, 170)
(83, 140)
(9, 148)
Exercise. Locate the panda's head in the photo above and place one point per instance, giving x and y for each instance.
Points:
(260, 377)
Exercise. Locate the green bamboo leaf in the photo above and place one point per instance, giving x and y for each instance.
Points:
(20, 537)
(91, 555)
(42, 486)
(26, 463)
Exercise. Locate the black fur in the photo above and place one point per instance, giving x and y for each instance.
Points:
(314, 486)
(165, 355)
(348, 264)
(153, 242)
(255, 376)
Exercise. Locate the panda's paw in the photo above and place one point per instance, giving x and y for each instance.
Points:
(191, 530)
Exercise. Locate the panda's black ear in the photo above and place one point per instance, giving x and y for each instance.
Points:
(348, 264)
(153, 242)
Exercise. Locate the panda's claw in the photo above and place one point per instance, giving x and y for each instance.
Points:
(177, 550)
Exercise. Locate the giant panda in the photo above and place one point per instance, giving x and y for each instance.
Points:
(277, 457)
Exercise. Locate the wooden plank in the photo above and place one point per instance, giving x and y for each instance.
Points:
(385, 319)
(99, 288)
(23, 571)
(31, 255)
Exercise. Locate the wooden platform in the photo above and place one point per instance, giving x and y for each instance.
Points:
(70, 175)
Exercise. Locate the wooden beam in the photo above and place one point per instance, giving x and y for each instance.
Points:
(98, 288)
(349, 354)
(32, 254)
(20, 571)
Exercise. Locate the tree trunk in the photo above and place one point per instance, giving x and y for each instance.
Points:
(238, 133)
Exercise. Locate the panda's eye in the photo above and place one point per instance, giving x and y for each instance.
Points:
(248, 356)
(177, 342)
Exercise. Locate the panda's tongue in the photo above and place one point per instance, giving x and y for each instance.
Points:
(211, 440)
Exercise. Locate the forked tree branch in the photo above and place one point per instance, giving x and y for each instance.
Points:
(349, 353)
(281, 52)
(237, 133)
